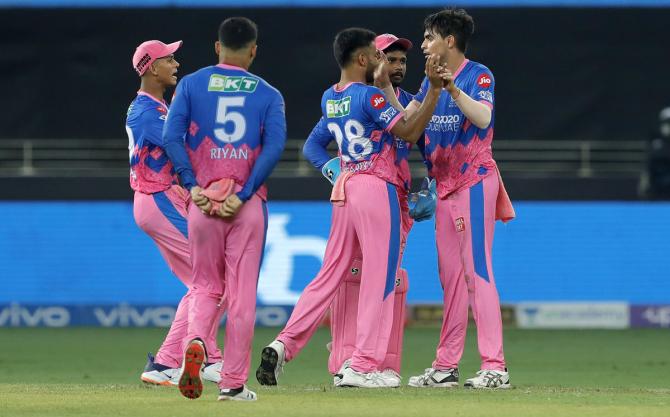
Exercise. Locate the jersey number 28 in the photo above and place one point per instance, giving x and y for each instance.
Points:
(359, 146)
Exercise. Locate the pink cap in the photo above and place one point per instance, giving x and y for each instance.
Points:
(384, 41)
(149, 51)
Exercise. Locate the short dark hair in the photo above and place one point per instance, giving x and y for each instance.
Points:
(455, 22)
(395, 47)
(237, 32)
(348, 40)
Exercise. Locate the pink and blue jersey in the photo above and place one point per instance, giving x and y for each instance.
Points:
(234, 127)
(150, 169)
(358, 117)
(459, 153)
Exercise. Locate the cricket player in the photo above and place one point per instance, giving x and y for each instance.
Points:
(345, 304)
(160, 204)
(366, 212)
(235, 130)
(471, 198)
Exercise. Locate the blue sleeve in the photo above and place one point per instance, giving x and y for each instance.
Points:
(315, 147)
(174, 131)
(152, 126)
(482, 87)
(378, 108)
(421, 94)
(273, 140)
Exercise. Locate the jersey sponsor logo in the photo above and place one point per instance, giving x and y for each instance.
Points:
(338, 108)
(485, 95)
(484, 81)
(444, 123)
(460, 224)
(447, 118)
(377, 101)
(230, 84)
(388, 114)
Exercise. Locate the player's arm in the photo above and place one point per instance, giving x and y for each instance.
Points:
(152, 126)
(315, 148)
(176, 125)
(273, 141)
(174, 131)
(478, 112)
(411, 128)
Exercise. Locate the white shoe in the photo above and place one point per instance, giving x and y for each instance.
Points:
(157, 374)
(337, 378)
(392, 377)
(352, 378)
(212, 372)
(489, 379)
(237, 394)
(272, 363)
(435, 378)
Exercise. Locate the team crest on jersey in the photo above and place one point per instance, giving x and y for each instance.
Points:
(484, 81)
(377, 101)
(229, 84)
(338, 108)
(460, 224)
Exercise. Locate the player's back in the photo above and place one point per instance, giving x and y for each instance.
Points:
(359, 117)
(229, 108)
(150, 169)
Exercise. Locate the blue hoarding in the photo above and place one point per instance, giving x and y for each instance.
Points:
(92, 253)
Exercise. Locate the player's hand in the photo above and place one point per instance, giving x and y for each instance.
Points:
(434, 71)
(231, 205)
(382, 77)
(447, 79)
(200, 200)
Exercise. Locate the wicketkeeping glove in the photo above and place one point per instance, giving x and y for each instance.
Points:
(331, 170)
(422, 204)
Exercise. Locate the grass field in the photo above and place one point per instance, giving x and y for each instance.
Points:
(95, 372)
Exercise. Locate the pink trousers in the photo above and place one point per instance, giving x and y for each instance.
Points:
(367, 223)
(464, 226)
(226, 256)
(344, 307)
(162, 216)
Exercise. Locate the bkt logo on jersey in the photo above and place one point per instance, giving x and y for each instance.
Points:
(227, 84)
(338, 108)
(484, 81)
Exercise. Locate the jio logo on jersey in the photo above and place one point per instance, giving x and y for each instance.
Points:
(377, 101)
(484, 81)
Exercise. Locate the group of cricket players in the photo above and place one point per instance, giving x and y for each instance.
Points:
(198, 169)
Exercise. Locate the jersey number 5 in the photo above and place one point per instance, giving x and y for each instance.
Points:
(224, 115)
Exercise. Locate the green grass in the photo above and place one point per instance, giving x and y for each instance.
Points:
(95, 372)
